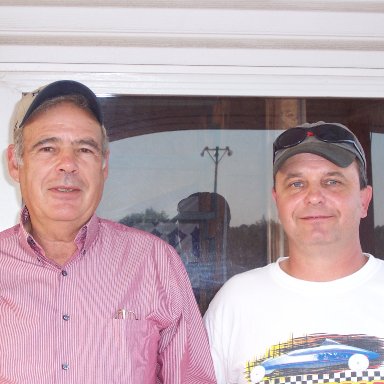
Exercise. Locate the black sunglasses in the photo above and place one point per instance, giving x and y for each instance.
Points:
(329, 133)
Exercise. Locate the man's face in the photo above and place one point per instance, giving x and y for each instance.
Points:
(318, 202)
(63, 171)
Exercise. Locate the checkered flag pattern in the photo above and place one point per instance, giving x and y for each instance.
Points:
(368, 376)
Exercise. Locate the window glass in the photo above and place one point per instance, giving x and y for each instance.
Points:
(206, 192)
(378, 191)
(197, 172)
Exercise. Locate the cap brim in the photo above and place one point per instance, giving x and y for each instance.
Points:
(334, 152)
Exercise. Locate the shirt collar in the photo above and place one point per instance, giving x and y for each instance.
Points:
(84, 238)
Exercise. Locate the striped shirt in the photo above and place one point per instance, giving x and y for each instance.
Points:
(121, 310)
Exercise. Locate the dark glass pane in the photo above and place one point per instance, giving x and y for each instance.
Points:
(205, 192)
(196, 171)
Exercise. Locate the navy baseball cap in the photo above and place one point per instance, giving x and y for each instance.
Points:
(32, 100)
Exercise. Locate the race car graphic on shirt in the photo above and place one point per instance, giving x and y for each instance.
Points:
(324, 358)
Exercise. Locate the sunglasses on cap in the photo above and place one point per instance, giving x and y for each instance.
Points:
(328, 133)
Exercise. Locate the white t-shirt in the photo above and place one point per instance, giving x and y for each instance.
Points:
(267, 327)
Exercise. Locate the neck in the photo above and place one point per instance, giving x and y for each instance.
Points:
(58, 242)
(323, 266)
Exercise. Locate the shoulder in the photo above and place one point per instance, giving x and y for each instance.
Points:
(10, 241)
(9, 233)
(134, 242)
(374, 259)
(143, 252)
(374, 264)
(118, 229)
(249, 278)
(243, 288)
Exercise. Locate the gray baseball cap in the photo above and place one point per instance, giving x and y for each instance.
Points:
(333, 141)
(32, 100)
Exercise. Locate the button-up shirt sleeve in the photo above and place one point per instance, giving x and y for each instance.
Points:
(184, 355)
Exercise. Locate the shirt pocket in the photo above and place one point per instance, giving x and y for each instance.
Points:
(136, 342)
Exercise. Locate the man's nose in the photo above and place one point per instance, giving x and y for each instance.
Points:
(67, 162)
(314, 195)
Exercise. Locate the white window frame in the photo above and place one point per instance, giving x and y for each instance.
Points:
(275, 48)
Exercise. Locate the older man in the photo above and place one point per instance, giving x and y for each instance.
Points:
(86, 300)
(314, 316)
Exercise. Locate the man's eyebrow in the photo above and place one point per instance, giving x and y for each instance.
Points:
(44, 141)
(292, 175)
(88, 141)
(54, 140)
(336, 173)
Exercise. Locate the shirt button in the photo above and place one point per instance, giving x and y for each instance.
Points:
(64, 273)
(65, 366)
(66, 317)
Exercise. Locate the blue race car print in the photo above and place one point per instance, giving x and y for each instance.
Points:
(329, 353)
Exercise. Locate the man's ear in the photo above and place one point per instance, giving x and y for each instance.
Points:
(365, 197)
(274, 193)
(106, 165)
(13, 165)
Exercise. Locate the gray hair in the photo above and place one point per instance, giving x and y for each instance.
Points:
(78, 100)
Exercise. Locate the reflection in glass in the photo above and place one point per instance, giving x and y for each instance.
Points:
(159, 182)
(217, 216)
(377, 145)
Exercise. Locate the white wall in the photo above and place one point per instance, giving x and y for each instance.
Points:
(218, 47)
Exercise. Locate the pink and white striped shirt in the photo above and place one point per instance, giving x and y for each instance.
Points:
(120, 311)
